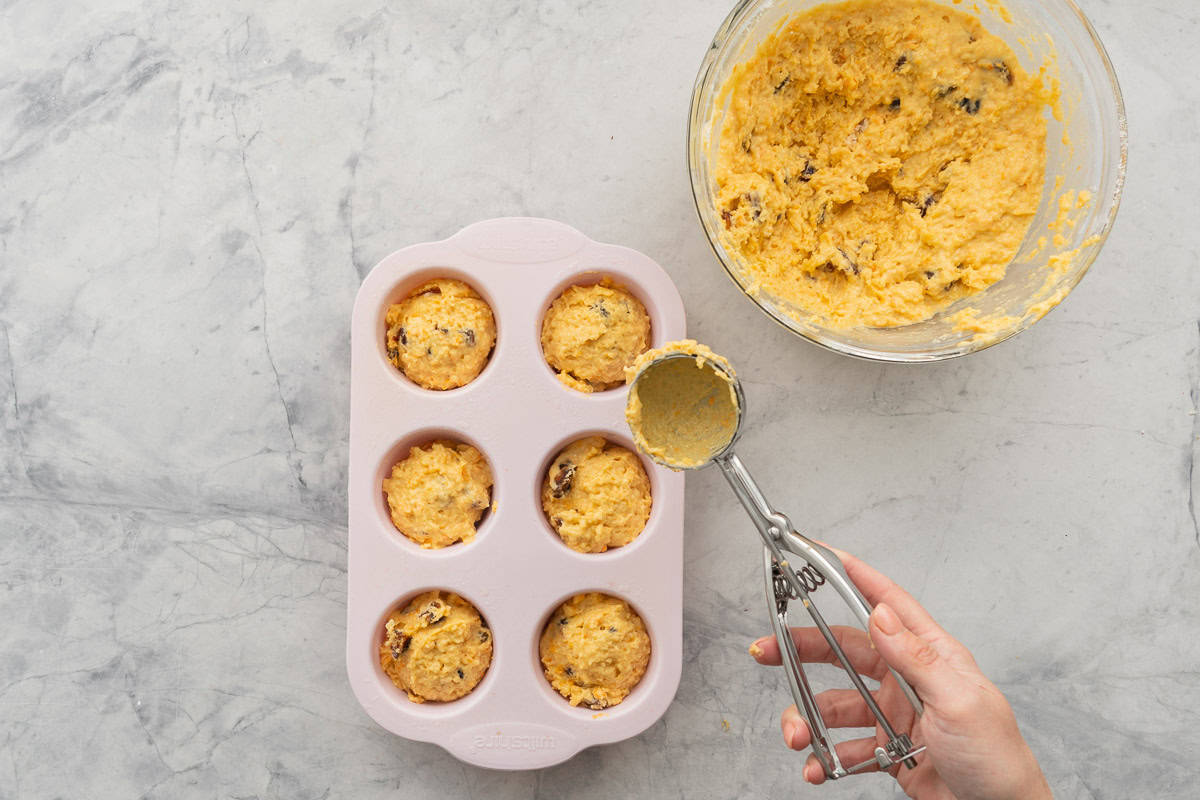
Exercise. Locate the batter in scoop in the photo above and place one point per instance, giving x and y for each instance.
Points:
(441, 335)
(591, 333)
(436, 648)
(595, 650)
(439, 492)
(682, 410)
(596, 495)
(879, 160)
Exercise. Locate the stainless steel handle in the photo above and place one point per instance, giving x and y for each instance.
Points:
(782, 540)
(797, 679)
(781, 537)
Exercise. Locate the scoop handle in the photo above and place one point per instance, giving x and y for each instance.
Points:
(782, 539)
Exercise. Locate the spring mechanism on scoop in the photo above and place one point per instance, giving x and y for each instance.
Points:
(810, 578)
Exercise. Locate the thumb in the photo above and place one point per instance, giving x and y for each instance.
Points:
(917, 661)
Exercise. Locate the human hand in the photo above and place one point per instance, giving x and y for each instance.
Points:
(974, 750)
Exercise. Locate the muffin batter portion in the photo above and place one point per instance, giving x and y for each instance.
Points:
(437, 494)
(436, 648)
(879, 161)
(682, 407)
(596, 495)
(591, 333)
(441, 335)
(595, 650)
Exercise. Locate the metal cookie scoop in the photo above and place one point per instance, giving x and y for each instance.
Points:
(686, 416)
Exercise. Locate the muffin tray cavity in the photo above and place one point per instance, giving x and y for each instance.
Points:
(516, 571)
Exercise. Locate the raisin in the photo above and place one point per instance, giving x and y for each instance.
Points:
(393, 353)
(783, 83)
(484, 635)
(398, 643)
(968, 105)
(562, 621)
(403, 337)
(927, 202)
(1002, 69)
(443, 330)
(469, 337)
(461, 675)
(612, 629)
(560, 484)
(946, 90)
(599, 308)
(849, 260)
(808, 171)
(434, 612)
(900, 62)
(727, 215)
(557, 522)
(755, 203)
(568, 672)
(746, 145)
(428, 351)
(928, 274)
(895, 104)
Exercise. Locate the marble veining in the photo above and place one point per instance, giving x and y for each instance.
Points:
(189, 197)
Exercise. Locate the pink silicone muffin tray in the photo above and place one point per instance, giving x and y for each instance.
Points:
(517, 571)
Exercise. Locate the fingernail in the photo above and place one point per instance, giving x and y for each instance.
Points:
(789, 733)
(808, 775)
(756, 648)
(886, 620)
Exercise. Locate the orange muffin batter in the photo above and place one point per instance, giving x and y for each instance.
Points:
(879, 160)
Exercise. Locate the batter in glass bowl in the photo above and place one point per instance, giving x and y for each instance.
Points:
(879, 160)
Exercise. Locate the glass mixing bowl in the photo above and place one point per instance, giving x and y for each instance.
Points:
(1085, 152)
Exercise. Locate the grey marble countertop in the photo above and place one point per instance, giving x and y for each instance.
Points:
(190, 195)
